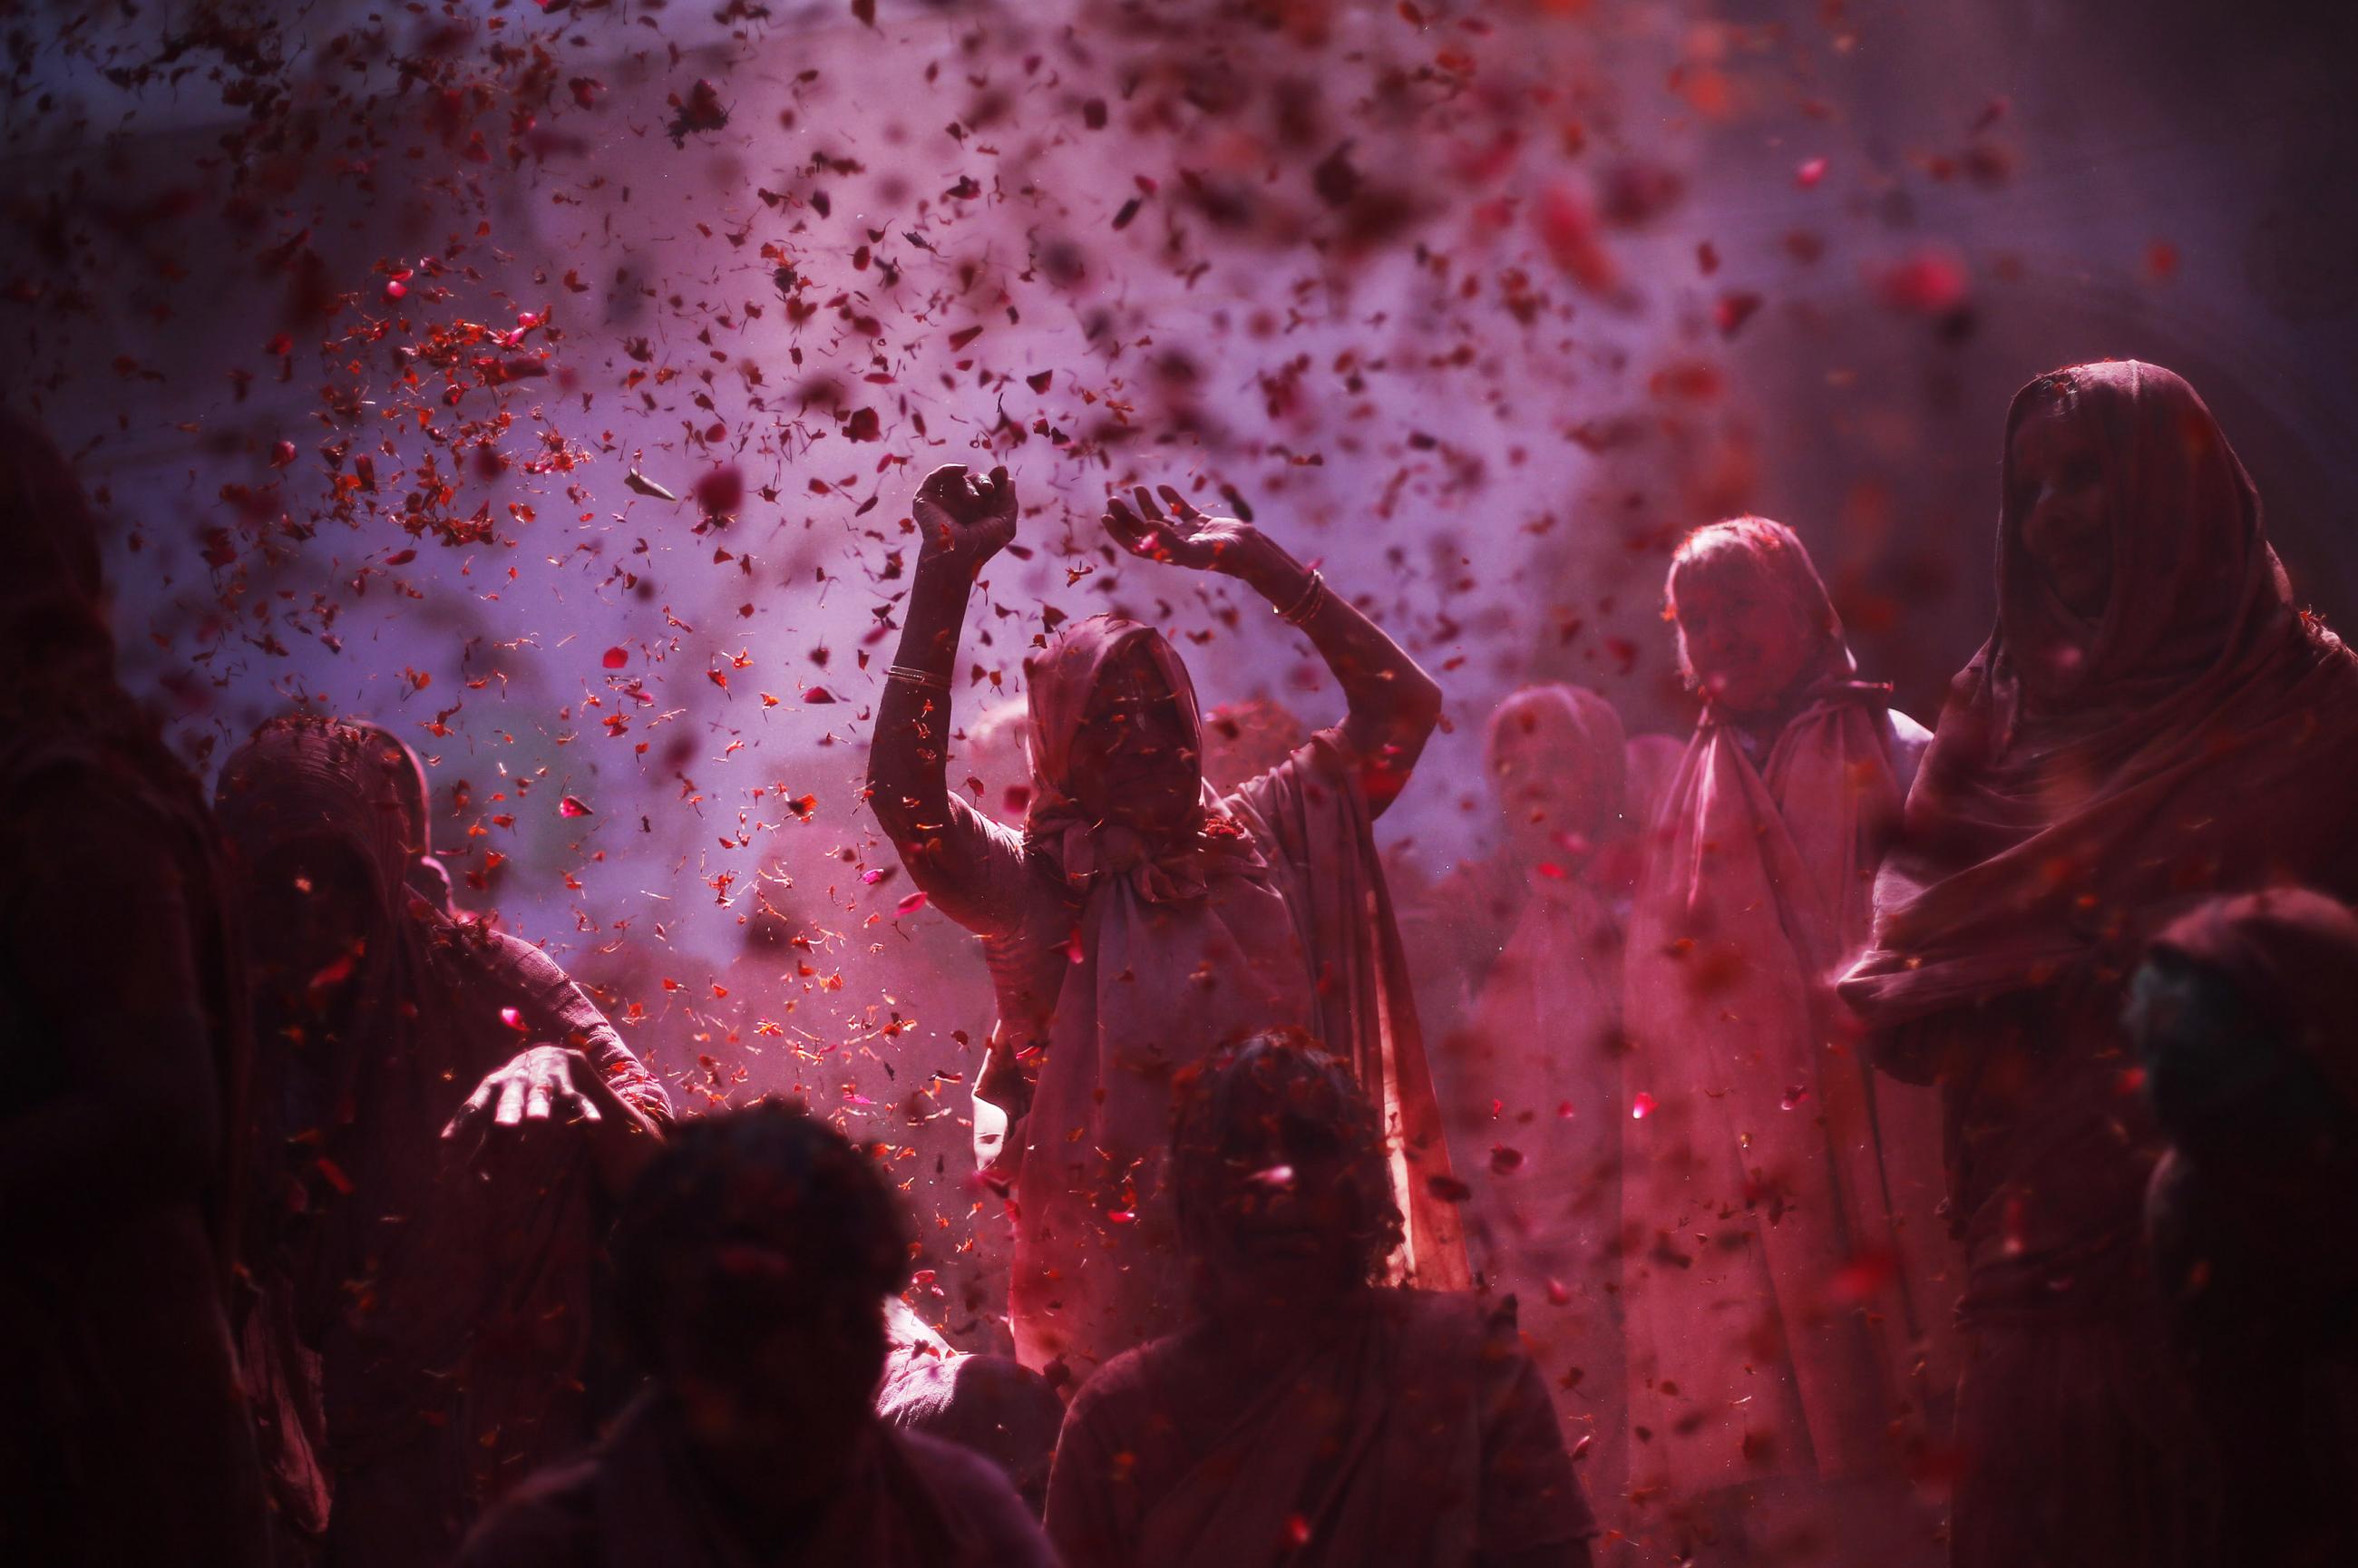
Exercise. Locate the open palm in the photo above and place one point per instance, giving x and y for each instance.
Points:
(1184, 537)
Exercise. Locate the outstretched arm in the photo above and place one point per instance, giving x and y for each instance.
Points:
(1393, 704)
(963, 522)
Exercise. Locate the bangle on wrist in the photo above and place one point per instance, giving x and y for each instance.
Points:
(924, 679)
(1313, 594)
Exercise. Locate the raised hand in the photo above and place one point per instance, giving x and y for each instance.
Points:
(964, 519)
(1186, 538)
(550, 1085)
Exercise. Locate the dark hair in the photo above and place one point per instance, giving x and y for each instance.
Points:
(749, 1217)
(1281, 1070)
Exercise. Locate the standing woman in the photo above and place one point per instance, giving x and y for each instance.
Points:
(1534, 1071)
(2152, 720)
(123, 1433)
(1139, 919)
(1781, 1231)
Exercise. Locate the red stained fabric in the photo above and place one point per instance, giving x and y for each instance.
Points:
(2088, 784)
(2071, 805)
(1787, 1276)
(1117, 961)
(1411, 1430)
(422, 1322)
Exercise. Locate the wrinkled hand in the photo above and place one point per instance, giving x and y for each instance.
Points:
(544, 1085)
(964, 519)
(1186, 538)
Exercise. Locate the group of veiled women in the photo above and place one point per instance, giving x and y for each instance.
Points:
(1832, 1143)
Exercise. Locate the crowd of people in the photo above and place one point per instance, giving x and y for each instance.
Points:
(1831, 1142)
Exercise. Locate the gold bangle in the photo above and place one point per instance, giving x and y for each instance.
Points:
(1308, 603)
(925, 680)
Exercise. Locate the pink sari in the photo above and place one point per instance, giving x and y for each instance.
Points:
(1786, 1273)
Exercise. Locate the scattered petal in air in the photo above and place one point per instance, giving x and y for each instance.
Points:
(573, 805)
(1641, 1106)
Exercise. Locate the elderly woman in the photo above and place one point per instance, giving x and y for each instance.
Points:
(1307, 1415)
(1784, 1254)
(1533, 1061)
(2153, 720)
(1137, 919)
(439, 1115)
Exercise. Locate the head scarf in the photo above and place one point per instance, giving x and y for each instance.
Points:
(2200, 742)
(2291, 956)
(1566, 720)
(62, 689)
(1061, 681)
(303, 777)
(1773, 555)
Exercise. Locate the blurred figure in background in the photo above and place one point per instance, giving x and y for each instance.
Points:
(2246, 1017)
(1307, 1414)
(1653, 764)
(1245, 740)
(2152, 720)
(439, 1115)
(124, 1439)
(1144, 918)
(752, 1262)
(1533, 1068)
(1786, 1277)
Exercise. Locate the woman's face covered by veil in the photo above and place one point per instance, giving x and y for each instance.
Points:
(1135, 760)
(2055, 464)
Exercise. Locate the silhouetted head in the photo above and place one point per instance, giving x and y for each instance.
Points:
(1115, 729)
(751, 1262)
(2242, 1016)
(1280, 1174)
(319, 828)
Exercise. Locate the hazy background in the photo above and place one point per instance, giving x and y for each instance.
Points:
(359, 317)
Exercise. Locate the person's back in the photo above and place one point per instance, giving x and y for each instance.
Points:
(637, 1502)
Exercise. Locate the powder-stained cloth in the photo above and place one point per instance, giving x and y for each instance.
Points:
(1117, 961)
(421, 1323)
(1786, 1275)
(2089, 781)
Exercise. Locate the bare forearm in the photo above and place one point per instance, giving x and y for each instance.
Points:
(1393, 703)
(907, 762)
